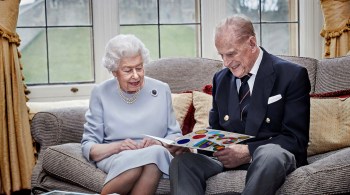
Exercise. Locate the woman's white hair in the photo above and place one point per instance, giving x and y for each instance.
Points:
(123, 46)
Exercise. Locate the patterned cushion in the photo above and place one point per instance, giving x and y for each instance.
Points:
(182, 103)
(329, 123)
(202, 103)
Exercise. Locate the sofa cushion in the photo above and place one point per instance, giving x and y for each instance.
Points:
(67, 163)
(202, 103)
(183, 74)
(35, 107)
(189, 121)
(333, 74)
(326, 175)
(329, 124)
(226, 182)
(208, 89)
(182, 103)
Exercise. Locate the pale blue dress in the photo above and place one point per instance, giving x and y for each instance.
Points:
(110, 119)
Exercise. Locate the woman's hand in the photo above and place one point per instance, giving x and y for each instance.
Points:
(129, 144)
(149, 142)
(101, 151)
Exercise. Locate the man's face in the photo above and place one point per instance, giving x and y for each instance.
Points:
(238, 55)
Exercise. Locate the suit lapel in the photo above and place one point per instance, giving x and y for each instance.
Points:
(229, 104)
(263, 85)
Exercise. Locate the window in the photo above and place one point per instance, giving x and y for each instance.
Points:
(276, 23)
(57, 68)
(56, 44)
(168, 28)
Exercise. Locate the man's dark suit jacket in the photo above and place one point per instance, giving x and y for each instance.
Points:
(284, 122)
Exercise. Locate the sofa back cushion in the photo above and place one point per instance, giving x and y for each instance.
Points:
(333, 74)
(184, 74)
(51, 125)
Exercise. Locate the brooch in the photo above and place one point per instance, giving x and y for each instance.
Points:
(154, 93)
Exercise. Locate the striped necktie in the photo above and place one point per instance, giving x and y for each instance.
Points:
(244, 97)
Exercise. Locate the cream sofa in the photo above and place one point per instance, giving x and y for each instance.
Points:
(57, 132)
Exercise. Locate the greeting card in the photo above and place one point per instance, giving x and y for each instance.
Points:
(206, 139)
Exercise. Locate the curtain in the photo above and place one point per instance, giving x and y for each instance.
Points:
(16, 151)
(336, 28)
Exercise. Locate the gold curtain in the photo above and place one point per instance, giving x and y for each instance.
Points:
(336, 28)
(16, 152)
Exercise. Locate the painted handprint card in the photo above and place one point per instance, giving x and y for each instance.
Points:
(207, 139)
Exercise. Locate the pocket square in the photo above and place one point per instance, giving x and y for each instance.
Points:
(274, 98)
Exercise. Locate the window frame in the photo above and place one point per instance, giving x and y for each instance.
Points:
(106, 26)
(104, 19)
(159, 24)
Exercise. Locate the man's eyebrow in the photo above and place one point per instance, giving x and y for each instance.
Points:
(228, 52)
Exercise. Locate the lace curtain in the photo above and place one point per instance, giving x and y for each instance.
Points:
(336, 28)
(16, 151)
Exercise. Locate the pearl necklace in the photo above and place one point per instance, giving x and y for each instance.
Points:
(128, 100)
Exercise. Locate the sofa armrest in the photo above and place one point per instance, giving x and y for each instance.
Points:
(324, 176)
(58, 126)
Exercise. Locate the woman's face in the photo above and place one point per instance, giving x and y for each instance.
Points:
(130, 74)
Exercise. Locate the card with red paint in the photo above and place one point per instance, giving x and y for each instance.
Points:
(206, 139)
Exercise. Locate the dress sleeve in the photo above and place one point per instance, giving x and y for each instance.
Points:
(173, 130)
(94, 126)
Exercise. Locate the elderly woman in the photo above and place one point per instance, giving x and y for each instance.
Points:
(121, 111)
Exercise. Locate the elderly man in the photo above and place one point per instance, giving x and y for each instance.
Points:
(257, 94)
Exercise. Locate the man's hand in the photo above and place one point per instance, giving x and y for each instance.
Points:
(176, 150)
(233, 156)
